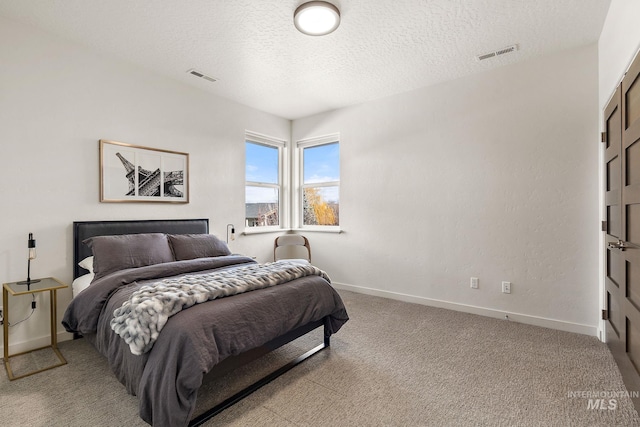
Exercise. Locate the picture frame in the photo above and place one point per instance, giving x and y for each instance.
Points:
(162, 175)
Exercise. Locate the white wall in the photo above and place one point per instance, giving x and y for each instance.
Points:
(619, 41)
(56, 100)
(492, 176)
(488, 176)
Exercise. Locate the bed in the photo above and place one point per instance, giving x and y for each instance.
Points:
(162, 355)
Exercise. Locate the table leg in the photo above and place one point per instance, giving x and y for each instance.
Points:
(53, 304)
(5, 331)
(5, 323)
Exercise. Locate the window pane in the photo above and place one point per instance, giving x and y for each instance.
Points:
(321, 163)
(321, 206)
(261, 163)
(261, 207)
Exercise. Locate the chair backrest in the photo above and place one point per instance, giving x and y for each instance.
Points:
(290, 240)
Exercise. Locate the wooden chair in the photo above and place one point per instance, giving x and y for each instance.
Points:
(287, 244)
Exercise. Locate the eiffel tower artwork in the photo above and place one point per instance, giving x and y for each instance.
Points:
(151, 183)
(132, 173)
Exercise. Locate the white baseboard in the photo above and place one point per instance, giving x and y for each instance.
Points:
(19, 347)
(465, 308)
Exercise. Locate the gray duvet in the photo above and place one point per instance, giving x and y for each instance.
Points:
(193, 341)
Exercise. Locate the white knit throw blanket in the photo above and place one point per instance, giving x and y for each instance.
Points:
(144, 314)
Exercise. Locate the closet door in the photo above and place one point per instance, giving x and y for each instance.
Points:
(622, 199)
(631, 207)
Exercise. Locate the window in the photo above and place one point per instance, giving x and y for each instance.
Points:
(263, 181)
(319, 163)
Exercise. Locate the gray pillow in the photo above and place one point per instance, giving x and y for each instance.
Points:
(191, 246)
(114, 253)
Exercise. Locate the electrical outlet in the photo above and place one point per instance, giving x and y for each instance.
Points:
(474, 283)
(506, 287)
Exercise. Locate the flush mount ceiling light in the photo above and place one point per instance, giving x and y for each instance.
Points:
(316, 18)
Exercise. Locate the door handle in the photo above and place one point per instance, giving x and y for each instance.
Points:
(620, 244)
(616, 245)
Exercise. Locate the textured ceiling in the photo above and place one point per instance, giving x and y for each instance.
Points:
(381, 47)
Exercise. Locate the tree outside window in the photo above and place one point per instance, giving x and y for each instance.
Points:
(321, 184)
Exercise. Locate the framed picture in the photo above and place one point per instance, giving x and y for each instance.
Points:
(131, 173)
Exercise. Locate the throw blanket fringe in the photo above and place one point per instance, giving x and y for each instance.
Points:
(142, 317)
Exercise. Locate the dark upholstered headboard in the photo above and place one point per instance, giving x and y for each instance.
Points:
(84, 229)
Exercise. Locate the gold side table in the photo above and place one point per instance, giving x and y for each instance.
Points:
(47, 284)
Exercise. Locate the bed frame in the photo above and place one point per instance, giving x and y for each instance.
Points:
(84, 229)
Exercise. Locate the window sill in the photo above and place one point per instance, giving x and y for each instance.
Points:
(328, 229)
(263, 230)
(335, 230)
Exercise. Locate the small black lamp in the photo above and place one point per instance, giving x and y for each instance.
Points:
(31, 244)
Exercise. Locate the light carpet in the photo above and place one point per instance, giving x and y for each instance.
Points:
(392, 364)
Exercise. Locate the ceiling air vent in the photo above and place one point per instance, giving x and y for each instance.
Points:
(502, 51)
(197, 73)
